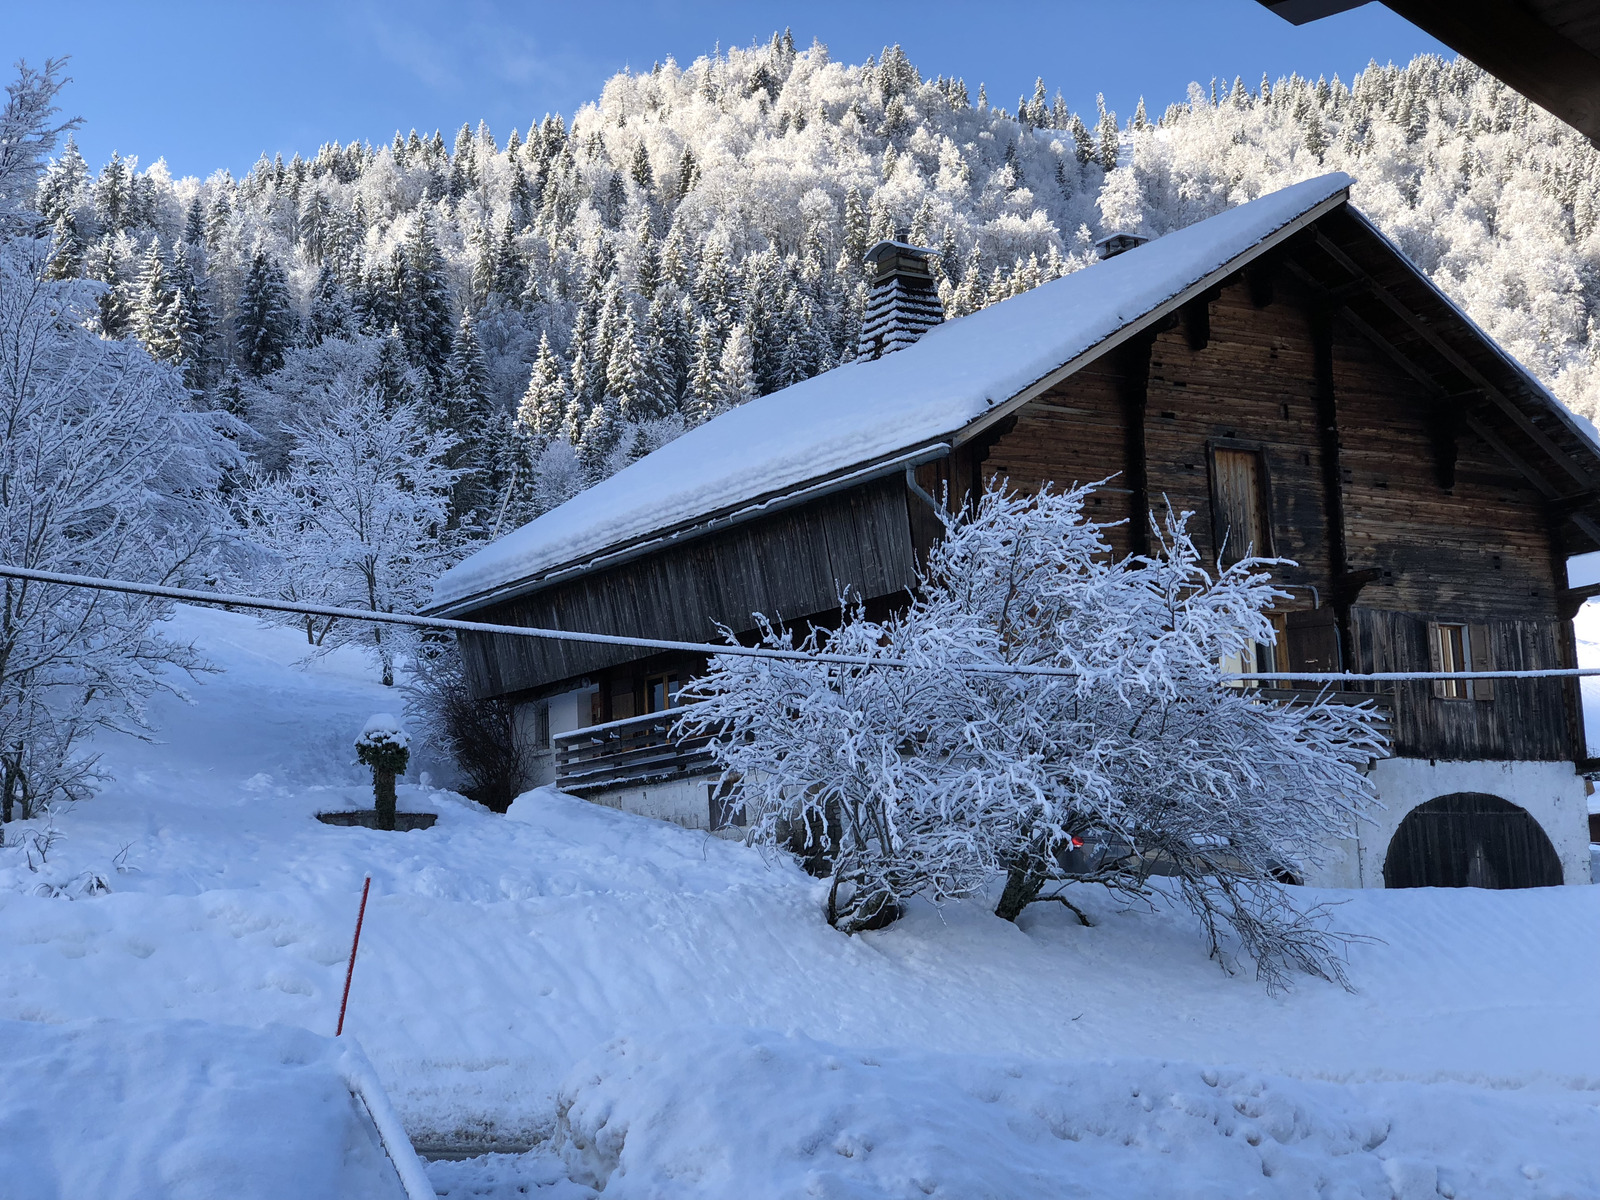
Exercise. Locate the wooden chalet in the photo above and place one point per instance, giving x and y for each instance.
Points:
(1281, 369)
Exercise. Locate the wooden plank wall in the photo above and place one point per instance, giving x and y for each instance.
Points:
(1479, 551)
(1527, 719)
(790, 564)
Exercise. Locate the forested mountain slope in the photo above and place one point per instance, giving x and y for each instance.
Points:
(566, 298)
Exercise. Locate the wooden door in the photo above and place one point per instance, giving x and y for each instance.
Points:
(1470, 839)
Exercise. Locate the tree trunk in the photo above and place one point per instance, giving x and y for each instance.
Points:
(383, 796)
(1022, 889)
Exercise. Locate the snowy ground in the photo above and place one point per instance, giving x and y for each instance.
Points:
(668, 1016)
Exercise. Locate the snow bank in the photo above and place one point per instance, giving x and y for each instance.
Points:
(733, 1113)
(181, 1109)
(501, 956)
(865, 411)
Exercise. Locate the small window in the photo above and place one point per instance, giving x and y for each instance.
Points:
(1450, 644)
(1458, 646)
(661, 692)
(1261, 657)
(1238, 501)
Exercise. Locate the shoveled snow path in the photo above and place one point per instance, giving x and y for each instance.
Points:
(500, 954)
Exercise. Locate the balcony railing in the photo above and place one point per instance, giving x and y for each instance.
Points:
(629, 752)
(640, 750)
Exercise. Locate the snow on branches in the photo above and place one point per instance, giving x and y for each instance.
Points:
(935, 778)
(359, 518)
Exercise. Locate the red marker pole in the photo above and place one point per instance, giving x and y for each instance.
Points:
(361, 915)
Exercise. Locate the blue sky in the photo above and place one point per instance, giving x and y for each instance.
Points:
(209, 85)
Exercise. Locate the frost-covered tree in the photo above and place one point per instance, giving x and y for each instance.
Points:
(1133, 758)
(359, 519)
(104, 470)
(265, 321)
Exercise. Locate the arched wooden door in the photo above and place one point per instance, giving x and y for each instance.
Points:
(1469, 839)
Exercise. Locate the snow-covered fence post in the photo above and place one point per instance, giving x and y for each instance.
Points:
(384, 747)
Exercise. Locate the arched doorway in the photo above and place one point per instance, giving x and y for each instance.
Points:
(1469, 839)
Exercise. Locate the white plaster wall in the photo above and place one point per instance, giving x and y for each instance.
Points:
(685, 802)
(569, 710)
(1554, 794)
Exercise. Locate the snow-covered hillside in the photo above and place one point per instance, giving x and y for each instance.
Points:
(668, 1012)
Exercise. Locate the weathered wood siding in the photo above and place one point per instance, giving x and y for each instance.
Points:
(1527, 719)
(1480, 550)
(791, 564)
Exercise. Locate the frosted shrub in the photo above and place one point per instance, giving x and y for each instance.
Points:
(386, 748)
(945, 774)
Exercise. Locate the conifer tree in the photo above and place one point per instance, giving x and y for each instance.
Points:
(265, 321)
(115, 313)
(192, 321)
(424, 315)
(1082, 143)
(194, 222)
(113, 195)
(63, 183)
(470, 415)
(392, 377)
(66, 250)
(544, 403)
(602, 432)
(331, 314)
(1109, 142)
(152, 315)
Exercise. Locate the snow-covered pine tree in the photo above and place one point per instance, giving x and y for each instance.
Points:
(152, 310)
(264, 324)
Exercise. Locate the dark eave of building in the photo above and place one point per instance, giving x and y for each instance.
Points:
(1549, 50)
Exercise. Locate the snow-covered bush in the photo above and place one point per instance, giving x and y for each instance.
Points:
(105, 469)
(386, 748)
(1056, 715)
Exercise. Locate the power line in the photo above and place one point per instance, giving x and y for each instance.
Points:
(229, 600)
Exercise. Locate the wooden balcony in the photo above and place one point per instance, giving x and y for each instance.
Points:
(628, 753)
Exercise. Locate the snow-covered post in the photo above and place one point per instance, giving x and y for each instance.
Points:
(386, 748)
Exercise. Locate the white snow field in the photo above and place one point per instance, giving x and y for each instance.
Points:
(666, 1014)
(128, 1110)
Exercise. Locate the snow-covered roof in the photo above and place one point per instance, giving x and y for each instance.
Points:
(867, 411)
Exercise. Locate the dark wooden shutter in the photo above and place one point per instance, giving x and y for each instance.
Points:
(1312, 638)
(1482, 656)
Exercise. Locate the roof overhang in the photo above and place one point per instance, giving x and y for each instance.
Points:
(762, 506)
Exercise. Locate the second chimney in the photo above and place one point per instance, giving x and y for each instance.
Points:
(902, 299)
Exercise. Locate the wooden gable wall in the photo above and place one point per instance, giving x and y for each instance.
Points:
(1361, 506)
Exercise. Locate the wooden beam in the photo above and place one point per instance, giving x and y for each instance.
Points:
(1135, 401)
(1327, 409)
(1437, 390)
(1453, 357)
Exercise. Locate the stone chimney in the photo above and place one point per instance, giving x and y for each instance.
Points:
(902, 299)
(1118, 243)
